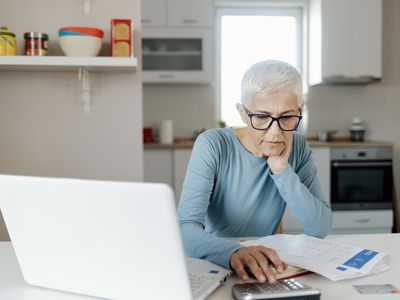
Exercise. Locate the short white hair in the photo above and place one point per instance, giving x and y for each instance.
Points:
(268, 77)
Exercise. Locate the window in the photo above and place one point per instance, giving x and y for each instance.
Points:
(247, 35)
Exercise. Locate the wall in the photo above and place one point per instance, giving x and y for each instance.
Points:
(330, 107)
(191, 107)
(43, 130)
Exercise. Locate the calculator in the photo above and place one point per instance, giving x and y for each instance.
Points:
(285, 289)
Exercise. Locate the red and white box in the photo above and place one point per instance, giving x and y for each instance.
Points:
(121, 38)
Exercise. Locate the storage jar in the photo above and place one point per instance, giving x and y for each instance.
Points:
(36, 43)
(7, 42)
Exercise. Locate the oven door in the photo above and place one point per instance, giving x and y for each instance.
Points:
(361, 185)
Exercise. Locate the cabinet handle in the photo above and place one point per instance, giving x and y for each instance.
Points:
(362, 220)
(190, 21)
(362, 164)
(146, 21)
(165, 76)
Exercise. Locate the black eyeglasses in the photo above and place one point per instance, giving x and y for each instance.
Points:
(264, 122)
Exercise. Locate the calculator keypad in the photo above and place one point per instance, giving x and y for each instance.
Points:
(280, 286)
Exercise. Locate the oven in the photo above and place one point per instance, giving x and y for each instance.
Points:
(361, 178)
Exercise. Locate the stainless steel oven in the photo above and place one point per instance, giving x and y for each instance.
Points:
(361, 178)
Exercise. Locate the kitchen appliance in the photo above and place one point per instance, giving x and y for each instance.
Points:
(361, 178)
(357, 130)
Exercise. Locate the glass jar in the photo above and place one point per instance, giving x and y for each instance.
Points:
(7, 42)
(36, 43)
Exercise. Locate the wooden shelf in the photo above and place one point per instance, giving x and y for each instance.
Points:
(66, 63)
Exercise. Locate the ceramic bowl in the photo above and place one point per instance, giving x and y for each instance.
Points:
(80, 45)
(92, 31)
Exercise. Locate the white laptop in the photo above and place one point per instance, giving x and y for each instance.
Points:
(114, 240)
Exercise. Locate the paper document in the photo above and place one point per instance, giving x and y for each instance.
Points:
(327, 258)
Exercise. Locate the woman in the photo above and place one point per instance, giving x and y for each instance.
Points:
(239, 181)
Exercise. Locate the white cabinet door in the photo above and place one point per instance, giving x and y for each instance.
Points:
(158, 166)
(322, 162)
(367, 38)
(189, 13)
(181, 160)
(321, 159)
(154, 13)
(167, 166)
(336, 38)
(345, 41)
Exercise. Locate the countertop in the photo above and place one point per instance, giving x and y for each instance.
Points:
(187, 143)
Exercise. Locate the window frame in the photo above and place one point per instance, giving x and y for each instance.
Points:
(297, 9)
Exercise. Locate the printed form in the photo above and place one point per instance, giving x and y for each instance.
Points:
(327, 258)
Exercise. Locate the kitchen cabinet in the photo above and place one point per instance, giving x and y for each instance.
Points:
(177, 56)
(190, 13)
(177, 13)
(154, 13)
(167, 166)
(321, 158)
(181, 161)
(158, 166)
(345, 41)
(362, 221)
(177, 41)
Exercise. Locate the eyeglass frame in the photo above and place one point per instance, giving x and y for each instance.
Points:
(251, 115)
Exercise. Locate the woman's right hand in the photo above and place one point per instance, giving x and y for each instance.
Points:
(262, 262)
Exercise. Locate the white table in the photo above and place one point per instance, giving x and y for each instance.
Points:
(343, 290)
(13, 287)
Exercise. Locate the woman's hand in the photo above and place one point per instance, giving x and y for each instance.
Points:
(279, 162)
(257, 260)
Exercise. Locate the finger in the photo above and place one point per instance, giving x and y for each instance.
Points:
(268, 270)
(271, 277)
(274, 258)
(255, 268)
(262, 261)
(238, 266)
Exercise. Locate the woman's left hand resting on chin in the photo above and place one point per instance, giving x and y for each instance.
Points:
(257, 260)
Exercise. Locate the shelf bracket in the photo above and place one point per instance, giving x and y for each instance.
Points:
(86, 7)
(84, 77)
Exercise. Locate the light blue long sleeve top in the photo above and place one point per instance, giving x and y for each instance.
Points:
(229, 192)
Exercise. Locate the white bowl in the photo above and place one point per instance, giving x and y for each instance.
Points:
(80, 45)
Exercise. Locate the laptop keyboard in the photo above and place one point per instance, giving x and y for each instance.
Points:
(198, 280)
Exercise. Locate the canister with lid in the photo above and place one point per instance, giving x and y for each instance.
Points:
(36, 43)
(7, 42)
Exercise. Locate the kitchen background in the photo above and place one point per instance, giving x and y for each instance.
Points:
(329, 106)
(43, 131)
